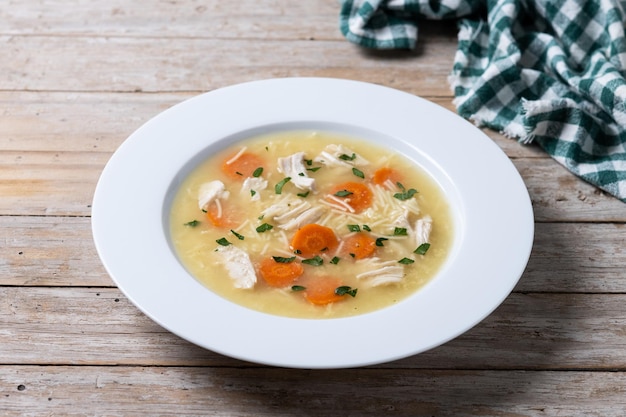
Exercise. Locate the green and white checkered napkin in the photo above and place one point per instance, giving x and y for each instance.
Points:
(552, 72)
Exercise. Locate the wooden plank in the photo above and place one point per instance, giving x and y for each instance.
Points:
(57, 326)
(576, 257)
(49, 251)
(123, 391)
(558, 195)
(62, 183)
(58, 251)
(125, 64)
(58, 121)
(182, 18)
(76, 122)
(49, 183)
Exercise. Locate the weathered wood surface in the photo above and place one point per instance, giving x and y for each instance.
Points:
(77, 77)
(213, 391)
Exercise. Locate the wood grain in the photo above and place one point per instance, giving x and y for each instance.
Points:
(52, 326)
(78, 77)
(59, 251)
(123, 391)
(127, 64)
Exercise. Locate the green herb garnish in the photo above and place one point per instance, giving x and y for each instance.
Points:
(405, 194)
(400, 231)
(345, 157)
(358, 173)
(264, 227)
(223, 241)
(380, 240)
(366, 228)
(240, 237)
(303, 195)
(283, 260)
(406, 261)
(278, 188)
(335, 260)
(257, 172)
(192, 223)
(354, 228)
(316, 261)
(422, 249)
(345, 290)
(298, 288)
(343, 193)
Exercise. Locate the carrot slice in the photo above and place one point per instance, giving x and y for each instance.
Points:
(242, 166)
(227, 217)
(280, 274)
(313, 239)
(321, 290)
(384, 174)
(356, 195)
(359, 245)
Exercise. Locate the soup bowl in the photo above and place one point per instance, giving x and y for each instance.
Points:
(490, 206)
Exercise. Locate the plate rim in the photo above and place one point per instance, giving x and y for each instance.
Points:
(109, 220)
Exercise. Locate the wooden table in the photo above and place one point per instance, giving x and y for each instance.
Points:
(78, 76)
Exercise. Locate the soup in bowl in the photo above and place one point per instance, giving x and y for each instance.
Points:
(311, 224)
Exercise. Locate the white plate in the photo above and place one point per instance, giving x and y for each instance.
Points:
(491, 209)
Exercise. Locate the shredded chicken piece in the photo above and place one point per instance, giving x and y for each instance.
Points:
(423, 228)
(293, 166)
(238, 265)
(309, 216)
(382, 273)
(211, 191)
(331, 156)
(253, 184)
(293, 213)
(283, 206)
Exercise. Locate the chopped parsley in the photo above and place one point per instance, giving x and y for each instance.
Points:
(343, 193)
(358, 172)
(335, 260)
(278, 188)
(223, 241)
(345, 157)
(400, 231)
(404, 194)
(264, 227)
(240, 237)
(422, 249)
(345, 290)
(316, 261)
(283, 260)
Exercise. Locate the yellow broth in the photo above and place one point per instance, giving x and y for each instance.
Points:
(195, 238)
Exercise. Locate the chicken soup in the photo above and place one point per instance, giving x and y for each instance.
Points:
(311, 225)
